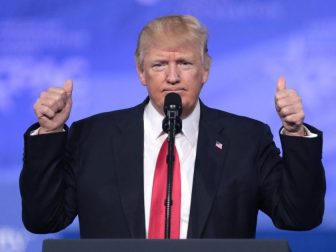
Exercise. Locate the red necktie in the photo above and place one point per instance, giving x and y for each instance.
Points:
(157, 213)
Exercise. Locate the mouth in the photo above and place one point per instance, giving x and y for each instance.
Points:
(174, 91)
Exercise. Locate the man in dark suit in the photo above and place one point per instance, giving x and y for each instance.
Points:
(102, 168)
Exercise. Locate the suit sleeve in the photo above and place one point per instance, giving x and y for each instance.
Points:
(47, 182)
(292, 188)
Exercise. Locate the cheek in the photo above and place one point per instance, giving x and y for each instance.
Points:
(153, 79)
(154, 91)
(195, 93)
(196, 82)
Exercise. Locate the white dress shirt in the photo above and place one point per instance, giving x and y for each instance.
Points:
(186, 143)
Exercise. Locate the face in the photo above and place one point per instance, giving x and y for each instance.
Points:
(178, 70)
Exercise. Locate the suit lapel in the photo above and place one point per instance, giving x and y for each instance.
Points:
(128, 153)
(212, 147)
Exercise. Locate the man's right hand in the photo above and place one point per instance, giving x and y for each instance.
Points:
(53, 107)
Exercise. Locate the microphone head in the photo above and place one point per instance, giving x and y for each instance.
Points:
(172, 101)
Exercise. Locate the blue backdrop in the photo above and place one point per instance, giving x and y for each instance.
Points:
(252, 42)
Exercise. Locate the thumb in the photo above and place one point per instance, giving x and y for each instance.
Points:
(68, 86)
(281, 84)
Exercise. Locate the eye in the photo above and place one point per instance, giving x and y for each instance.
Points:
(158, 66)
(185, 64)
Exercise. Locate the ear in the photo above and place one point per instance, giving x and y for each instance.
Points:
(205, 75)
(206, 68)
(141, 74)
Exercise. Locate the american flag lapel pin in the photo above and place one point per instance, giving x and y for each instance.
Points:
(219, 145)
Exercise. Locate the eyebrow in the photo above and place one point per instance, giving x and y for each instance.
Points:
(179, 58)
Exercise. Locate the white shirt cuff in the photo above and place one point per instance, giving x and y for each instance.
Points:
(309, 133)
(36, 132)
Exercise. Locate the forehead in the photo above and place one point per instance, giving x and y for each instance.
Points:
(157, 52)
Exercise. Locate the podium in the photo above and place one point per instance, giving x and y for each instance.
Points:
(143, 245)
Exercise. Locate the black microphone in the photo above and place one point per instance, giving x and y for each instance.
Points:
(173, 109)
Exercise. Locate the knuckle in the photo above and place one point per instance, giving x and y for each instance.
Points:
(63, 92)
(56, 98)
(277, 97)
(37, 107)
(45, 110)
(59, 98)
(49, 103)
(282, 113)
(51, 113)
(285, 110)
(280, 103)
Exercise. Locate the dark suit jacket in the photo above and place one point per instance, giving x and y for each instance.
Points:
(95, 171)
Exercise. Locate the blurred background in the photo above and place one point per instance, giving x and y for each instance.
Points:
(252, 43)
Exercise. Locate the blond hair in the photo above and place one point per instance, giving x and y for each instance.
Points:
(172, 31)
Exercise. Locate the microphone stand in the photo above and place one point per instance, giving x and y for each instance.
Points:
(173, 129)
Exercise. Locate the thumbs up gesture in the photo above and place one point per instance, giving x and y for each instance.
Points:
(290, 109)
(53, 107)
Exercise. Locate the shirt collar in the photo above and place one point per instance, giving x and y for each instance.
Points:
(190, 124)
(153, 120)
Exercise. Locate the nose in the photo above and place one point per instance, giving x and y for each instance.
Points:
(173, 75)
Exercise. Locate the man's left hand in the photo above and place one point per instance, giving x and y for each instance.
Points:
(290, 109)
